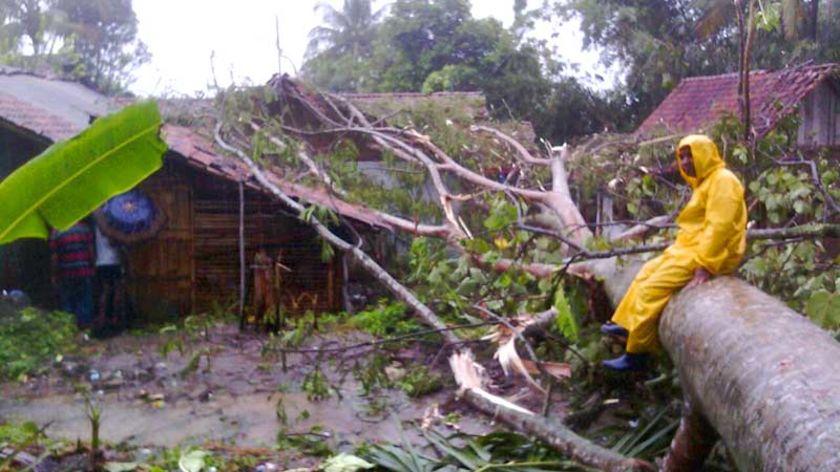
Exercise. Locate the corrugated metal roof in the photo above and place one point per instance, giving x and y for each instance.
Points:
(55, 109)
(699, 101)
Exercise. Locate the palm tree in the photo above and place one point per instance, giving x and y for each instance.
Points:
(798, 17)
(349, 31)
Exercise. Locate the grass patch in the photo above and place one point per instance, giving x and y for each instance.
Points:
(31, 340)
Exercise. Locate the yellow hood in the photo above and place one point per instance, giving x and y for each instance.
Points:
(705, 155)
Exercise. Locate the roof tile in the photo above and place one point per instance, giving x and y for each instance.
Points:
(698, 101)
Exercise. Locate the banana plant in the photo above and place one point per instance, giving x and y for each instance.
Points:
(72, 178)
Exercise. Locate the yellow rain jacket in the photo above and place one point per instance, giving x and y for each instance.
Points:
(711, 234)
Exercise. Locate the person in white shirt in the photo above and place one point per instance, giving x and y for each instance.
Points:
(109, 288)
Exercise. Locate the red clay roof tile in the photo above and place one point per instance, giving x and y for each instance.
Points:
(699, 101)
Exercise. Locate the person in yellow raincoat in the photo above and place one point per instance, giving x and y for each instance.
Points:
(711, 240)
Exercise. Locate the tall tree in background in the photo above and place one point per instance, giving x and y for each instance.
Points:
(100, 37)
(655, 40)
(93, 41)
(339, 48)
(437, 45)
(25, 23)
(349, 31)
(663, 41)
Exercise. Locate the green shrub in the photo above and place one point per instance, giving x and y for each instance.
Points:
(386, 319)
(31, 339)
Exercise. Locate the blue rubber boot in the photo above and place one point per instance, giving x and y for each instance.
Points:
(629, 362)
(612, 329)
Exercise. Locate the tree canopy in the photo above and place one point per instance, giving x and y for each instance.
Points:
(662, 41)
(437, 45)
(92, 41)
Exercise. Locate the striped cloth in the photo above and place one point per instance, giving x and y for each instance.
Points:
(73, 250)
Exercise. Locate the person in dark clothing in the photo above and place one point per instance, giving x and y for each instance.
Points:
(72, 265)
(110, 310)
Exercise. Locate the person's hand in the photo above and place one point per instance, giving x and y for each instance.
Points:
(701, 275)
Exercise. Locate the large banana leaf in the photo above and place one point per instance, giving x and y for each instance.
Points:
(72, 178)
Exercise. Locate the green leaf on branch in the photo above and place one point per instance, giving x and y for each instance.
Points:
(476, 246)
(823, 308)
(502, 215)
(565, 320)
(72, 178)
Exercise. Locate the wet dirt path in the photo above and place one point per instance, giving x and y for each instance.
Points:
(231, 396)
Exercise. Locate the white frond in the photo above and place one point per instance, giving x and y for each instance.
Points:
(468, 374)
(510, 360)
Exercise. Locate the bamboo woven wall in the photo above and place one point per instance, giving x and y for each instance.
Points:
(160, 275)
(193, 266)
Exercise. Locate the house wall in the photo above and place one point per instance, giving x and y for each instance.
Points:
(193, 265)
(820, 115)
(24, 264)
(160, 272)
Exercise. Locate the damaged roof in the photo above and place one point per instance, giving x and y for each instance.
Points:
(197, 151)
(699, 101)
(55, 109)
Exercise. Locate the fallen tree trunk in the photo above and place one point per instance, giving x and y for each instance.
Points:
(755, 371)
(761, 374)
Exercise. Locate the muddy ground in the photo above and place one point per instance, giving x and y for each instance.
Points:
(223, 391)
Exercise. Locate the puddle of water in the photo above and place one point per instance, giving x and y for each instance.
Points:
(248, 420)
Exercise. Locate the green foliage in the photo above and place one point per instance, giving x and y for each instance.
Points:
(371, 374)
(659, 42)
(782, 191)
(785, 194)
(437, 46)
(339, 49)
(311, 443)
(386, 319)
(18, 433)
(344, 462)
(418, 381)
(650, 437)
(30, 340)
(496, 451)
(192, 461)
(316, 385)
(823, 308)
(74, 177)
(565, 320)
(502, 215)
(92, 41)
(17, 437)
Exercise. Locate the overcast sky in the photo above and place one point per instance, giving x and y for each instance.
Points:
(240, 35)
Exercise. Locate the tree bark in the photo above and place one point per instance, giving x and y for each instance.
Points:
(557, 435)
(759, 373)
